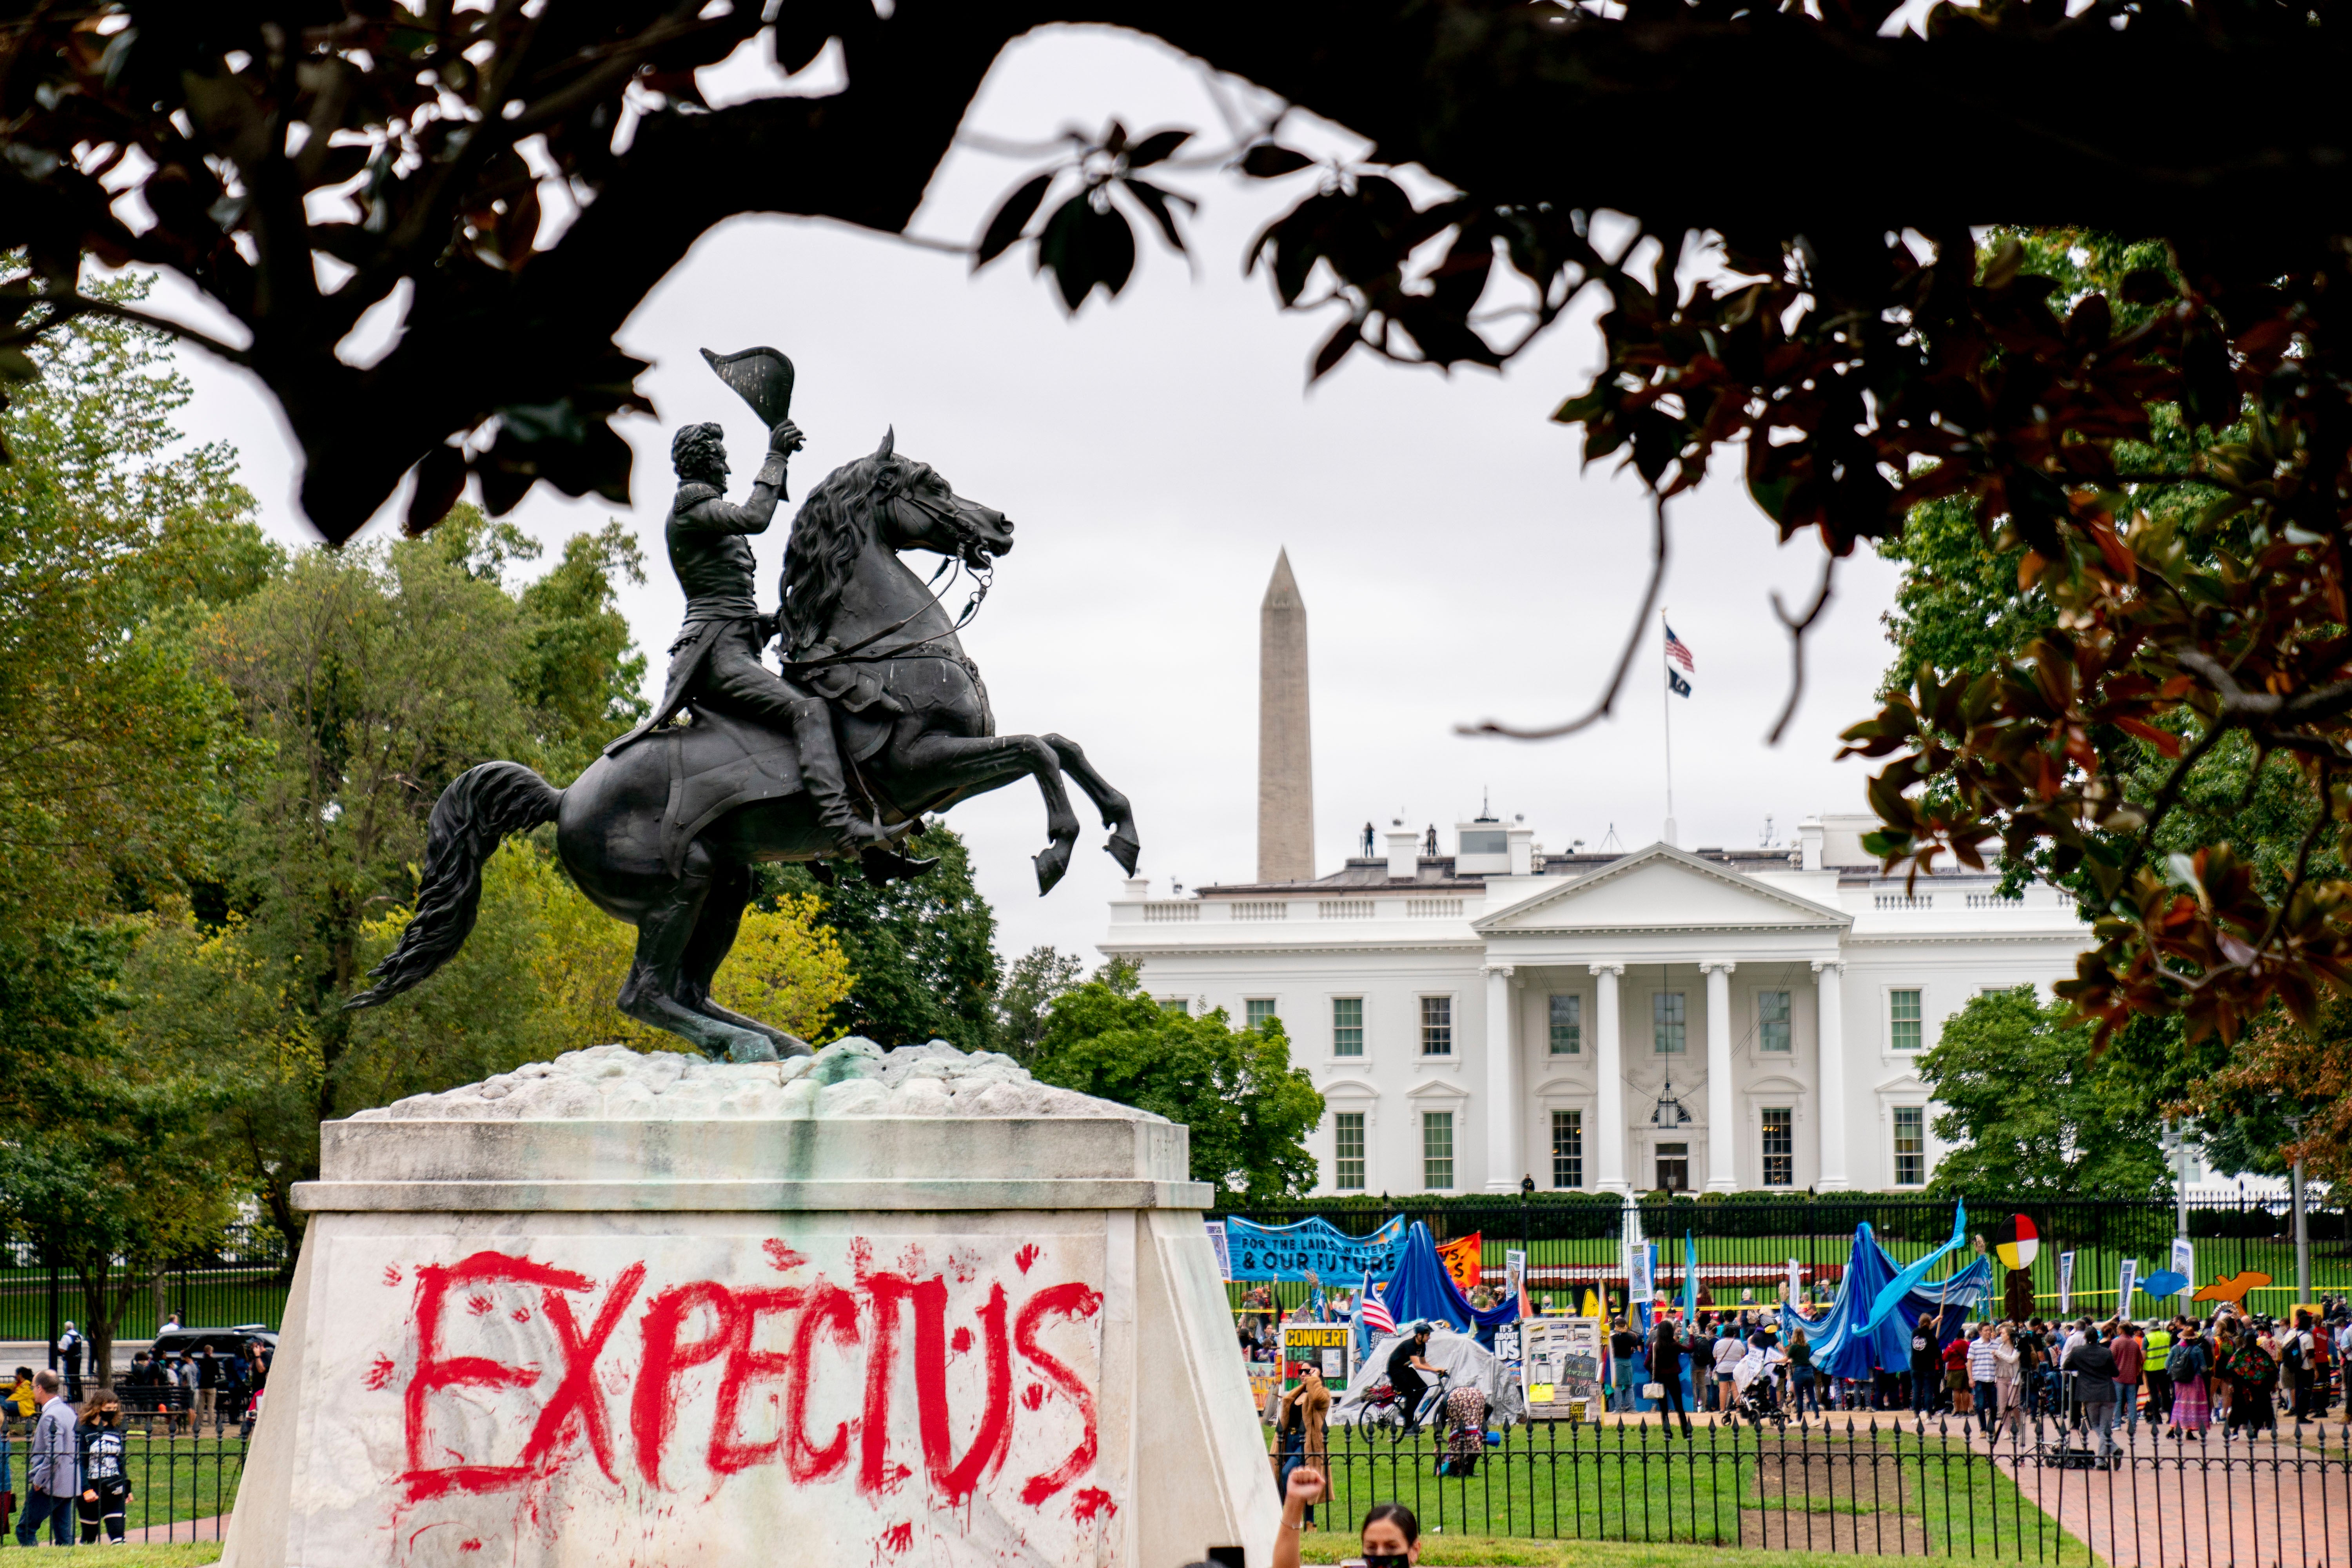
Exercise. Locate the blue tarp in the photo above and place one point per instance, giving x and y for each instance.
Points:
(1841, 1350)
(1421, 1287)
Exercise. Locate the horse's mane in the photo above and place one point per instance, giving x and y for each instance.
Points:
(833, 527)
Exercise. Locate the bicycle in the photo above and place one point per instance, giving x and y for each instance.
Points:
(1383, 1406)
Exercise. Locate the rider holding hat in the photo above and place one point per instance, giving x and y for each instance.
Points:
(715, 660)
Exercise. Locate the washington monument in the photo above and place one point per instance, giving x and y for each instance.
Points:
(1285, 757)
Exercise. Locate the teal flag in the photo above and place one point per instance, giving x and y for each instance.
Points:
(1690, 1280)
(1900, 1286)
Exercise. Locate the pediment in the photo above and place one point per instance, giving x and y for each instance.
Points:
(1662, 887)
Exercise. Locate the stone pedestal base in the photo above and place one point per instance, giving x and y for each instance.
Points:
(740, 1334)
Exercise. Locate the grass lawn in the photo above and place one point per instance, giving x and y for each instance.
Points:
(1798, 1493)
(172, 1480)
(180, 1556)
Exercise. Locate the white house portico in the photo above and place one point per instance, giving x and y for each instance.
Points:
(1662, 1018)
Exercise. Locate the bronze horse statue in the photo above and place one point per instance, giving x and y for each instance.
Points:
(664, 833)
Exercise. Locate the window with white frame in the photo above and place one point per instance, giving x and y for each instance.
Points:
(1437, 1150)
(1910, 1145)
(1666, 1023)
(1347, 1026)
(1772, 1021)
(1779, 1146)
(1257, 1011)
(1903, 1019)
(1437, 1028)
(1176, 1005)
(1348, 1150)
(1567, 1147)
(1567, 1025)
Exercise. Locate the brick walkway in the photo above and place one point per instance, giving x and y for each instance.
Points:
(2241, 1505)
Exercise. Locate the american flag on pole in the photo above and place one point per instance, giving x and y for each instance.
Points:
(1677, 652)
(1370, 1311)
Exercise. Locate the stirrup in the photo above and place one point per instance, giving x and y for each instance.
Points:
(883, 864)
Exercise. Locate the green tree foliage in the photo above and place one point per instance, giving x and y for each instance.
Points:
(364, 680)
(1969, 600)
(1024, 1002)
(111, 743)
(2028, 1110)
(105, 1168)
(116, 750)
(1249, 1110)
(923, 951)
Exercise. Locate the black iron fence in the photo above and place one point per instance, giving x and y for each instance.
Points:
(240, 1279)
(1846, 1486)
(1746, 1241)
(164, 1486)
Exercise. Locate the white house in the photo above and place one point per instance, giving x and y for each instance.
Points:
(1498, 1014)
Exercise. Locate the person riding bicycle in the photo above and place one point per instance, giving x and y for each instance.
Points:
(1405, 1367)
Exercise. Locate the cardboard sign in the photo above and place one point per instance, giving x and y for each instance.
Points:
(1329, 1348)
(1560, 1371)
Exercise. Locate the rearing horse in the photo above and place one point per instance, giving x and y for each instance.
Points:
(664, 833)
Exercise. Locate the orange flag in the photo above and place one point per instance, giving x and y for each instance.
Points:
(1460, 1257)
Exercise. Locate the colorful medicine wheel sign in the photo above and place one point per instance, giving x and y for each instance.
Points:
(2015, 1241)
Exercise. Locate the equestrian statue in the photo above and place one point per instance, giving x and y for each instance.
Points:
(874, 717)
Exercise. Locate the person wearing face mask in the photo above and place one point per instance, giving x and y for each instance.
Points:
(1391, 1536)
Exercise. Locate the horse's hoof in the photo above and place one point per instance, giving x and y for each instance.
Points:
(1051, 863)
(1123, 849)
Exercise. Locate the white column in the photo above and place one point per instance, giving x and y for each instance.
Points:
(1722, 1161)
(1608, 1074)
(1505, 1116)
(1836, 1175)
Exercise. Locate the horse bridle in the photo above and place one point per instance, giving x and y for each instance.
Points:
(984, 579)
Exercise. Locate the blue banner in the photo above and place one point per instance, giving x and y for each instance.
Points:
(1312, 1246)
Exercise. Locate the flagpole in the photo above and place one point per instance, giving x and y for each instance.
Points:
(1666, 708)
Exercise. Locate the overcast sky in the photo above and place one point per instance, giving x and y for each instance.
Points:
(1455, 561)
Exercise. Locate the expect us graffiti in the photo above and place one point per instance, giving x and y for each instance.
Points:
(949, 1386)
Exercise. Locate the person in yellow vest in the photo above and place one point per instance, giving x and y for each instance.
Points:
(2158, 1380)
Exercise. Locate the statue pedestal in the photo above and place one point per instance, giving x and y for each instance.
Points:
(639, 1309)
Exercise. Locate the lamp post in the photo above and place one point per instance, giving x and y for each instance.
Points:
(1526, 1191)
(2302, 1228)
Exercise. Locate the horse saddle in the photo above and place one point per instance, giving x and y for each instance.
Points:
(719, 762)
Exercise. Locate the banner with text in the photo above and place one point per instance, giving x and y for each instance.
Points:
(1461, 1258)
(1312, 1246)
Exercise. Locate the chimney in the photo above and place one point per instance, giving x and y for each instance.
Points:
(1286, 764)
(1404, 854)
(1523, 855)
(1808, 840)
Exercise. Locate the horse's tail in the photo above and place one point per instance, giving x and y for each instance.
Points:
(483, 806)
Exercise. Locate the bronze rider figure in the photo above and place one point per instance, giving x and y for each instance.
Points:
(715, 662)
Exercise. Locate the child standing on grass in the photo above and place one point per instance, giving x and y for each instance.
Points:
(106, 1489)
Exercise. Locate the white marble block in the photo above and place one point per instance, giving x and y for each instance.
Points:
(624, 1309)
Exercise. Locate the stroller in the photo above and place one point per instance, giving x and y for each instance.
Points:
(1758, 1395)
